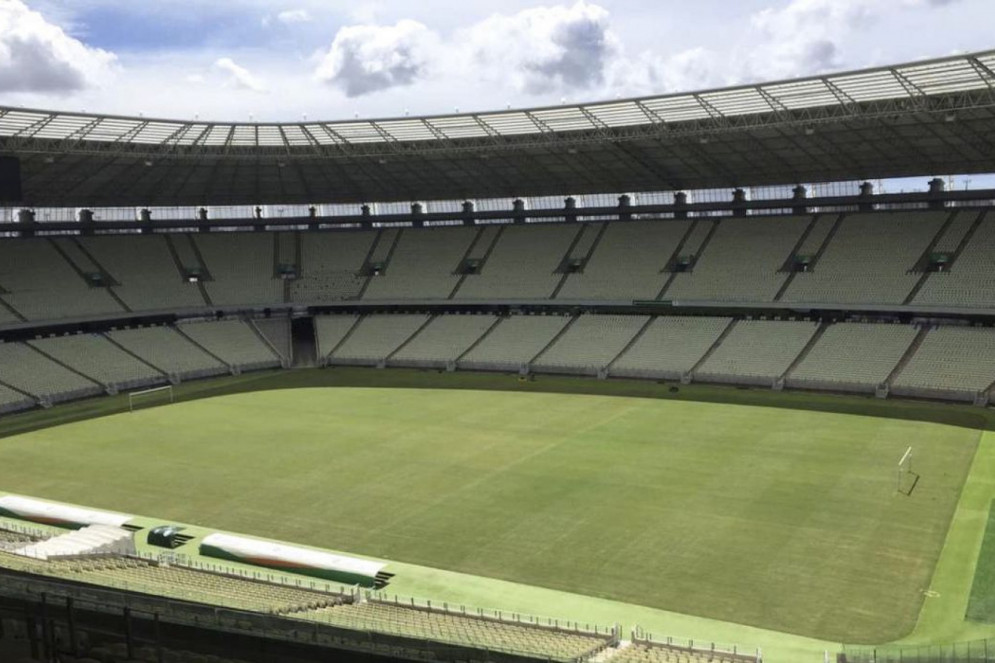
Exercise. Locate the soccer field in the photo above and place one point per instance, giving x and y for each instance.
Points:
(782, 519)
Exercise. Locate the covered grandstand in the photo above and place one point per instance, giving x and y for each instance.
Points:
(728, 237)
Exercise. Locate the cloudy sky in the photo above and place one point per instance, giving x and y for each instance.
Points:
(331, 59)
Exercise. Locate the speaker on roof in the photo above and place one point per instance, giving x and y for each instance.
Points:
(10, 180)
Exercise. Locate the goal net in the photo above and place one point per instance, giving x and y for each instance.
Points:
(906, 478)
(150, 397)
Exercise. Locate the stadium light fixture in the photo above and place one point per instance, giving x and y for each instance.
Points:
(149, 163)
(809, 131)
(950, 117)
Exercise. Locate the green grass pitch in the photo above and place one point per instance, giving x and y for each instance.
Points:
(981, 606)
(783, 519)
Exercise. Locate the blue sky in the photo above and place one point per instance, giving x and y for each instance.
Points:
(329, 59)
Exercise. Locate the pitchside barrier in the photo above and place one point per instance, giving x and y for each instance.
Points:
(973, 651)
(612, 633)
(702, 648)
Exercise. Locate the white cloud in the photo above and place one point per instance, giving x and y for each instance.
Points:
(538, 55)
(371, 58)
(238, 77)
(291, 16)
(804, 36)
(544, 49)
(38, 56)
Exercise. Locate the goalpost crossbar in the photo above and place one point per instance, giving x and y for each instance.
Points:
(147, 392)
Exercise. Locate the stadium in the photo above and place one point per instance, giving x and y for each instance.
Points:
(654, 379)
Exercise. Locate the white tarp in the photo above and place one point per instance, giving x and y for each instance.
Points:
(54, 513)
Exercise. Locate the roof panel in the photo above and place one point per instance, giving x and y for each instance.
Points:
(941, 76)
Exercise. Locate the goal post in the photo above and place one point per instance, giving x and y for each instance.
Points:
(904, 472)
(150, 397)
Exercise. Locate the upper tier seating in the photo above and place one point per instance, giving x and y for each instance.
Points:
(233, 342)
(590, 343)
(149, 278)
(951, 362)
(869, 259)
(28, 370)
(741, 261)
(670, 347)
(331, 263)
(376, 337)
(100, 360)
(522, 265)
(423, 265)
(756, 352)
(41, 285)
(970, 281)
(628, 262)
(44, 279)
(329, 330)
(241, 268)
(168, 351)
(443, 340)
(514, 342)
(853, 357)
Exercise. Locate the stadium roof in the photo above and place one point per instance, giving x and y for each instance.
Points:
(924, 118)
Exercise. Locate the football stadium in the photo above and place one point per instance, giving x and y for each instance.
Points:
(645, 380)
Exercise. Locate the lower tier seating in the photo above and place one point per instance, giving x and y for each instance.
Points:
(590, 344)
(461, 629)
(233, 342)
(277, 332)
(951, 362)
(170, 352)
(443, 340)
(514, 342)
(12, 400)
(27, 370)
(670, 347)
(100, 360)
(658, 653)
(330, 330)
(756, 352)
(376, 338)
(946, 362)
(853, 357)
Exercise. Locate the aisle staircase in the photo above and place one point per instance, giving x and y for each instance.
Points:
(88, 541)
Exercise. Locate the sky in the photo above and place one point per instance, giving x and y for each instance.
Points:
(287, 60)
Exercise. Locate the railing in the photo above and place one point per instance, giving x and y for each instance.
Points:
(703, 648)
(973, 651)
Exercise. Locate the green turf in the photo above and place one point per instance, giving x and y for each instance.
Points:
(781, 519)
(981, 606)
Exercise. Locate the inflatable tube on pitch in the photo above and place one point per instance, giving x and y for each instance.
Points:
(314, 563)
(60, 515)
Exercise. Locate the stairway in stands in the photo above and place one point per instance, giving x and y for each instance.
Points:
(305, 354)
